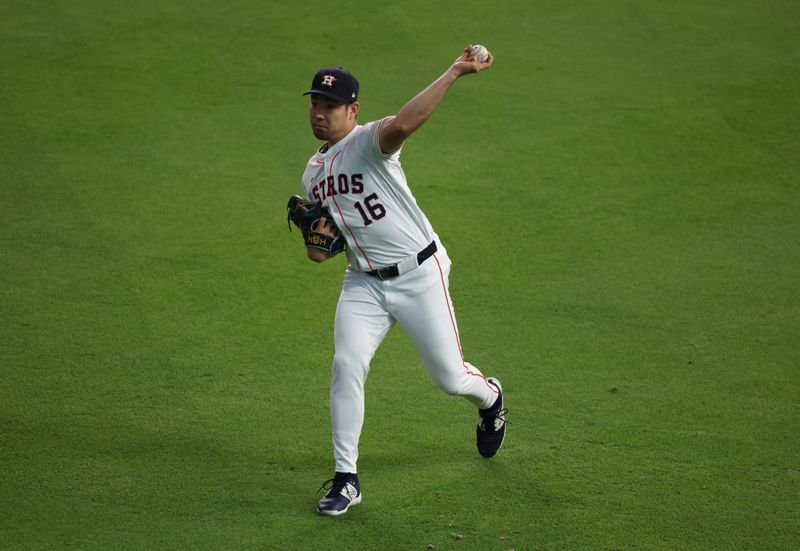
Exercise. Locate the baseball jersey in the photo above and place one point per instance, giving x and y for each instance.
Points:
(368, 196)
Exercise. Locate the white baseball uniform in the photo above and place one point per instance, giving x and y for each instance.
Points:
(368, 196)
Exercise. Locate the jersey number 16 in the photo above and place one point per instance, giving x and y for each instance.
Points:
(371, 210)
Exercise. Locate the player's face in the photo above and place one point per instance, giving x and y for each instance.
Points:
(331, 120)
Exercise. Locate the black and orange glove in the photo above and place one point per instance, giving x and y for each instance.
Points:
(308, 216)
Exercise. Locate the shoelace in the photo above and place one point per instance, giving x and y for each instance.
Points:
(333, 486)
(329, 484)
(501, 414)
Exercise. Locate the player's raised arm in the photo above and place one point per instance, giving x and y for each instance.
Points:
(414, 113)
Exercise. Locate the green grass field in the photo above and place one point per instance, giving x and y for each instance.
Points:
(620, 195)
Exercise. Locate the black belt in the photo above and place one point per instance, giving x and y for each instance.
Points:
(392, 271)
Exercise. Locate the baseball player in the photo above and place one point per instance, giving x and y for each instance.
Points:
(359, 201)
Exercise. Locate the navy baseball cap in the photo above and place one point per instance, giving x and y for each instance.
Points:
(335, 83)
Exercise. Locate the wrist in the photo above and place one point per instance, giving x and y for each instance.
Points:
(453, 72)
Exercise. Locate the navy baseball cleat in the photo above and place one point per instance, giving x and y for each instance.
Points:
(491, 429)
(344, 491)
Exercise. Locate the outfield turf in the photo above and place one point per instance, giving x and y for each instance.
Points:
(620, 195)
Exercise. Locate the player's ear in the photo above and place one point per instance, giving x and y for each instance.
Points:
(353, 110)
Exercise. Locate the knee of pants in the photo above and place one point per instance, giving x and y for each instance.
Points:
(450, 383)
(350, 367)
(446, 369)
(450, 388)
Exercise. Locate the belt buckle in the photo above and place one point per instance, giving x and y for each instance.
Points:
(387, 273)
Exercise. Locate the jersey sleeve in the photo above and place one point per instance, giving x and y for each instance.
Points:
(370, 145)
(310, 176)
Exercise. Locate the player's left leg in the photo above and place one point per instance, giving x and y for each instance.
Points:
(422, 305)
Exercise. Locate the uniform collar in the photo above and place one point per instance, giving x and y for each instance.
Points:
(325, 150)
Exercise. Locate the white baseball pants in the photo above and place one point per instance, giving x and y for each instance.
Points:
(368, 307)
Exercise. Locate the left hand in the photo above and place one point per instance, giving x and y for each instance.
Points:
(466, 64)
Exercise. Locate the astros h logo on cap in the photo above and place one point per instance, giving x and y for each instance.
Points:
(335, 83)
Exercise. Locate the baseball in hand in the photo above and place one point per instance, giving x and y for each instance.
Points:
(479, 52)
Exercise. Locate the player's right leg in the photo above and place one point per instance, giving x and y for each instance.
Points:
(361, 324)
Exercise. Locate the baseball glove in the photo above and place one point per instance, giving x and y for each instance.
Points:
(306, 215)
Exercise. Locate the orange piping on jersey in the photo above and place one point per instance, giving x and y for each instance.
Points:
(453, 322)
(341, 216)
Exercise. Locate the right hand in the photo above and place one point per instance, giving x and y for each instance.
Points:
(327, 227)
